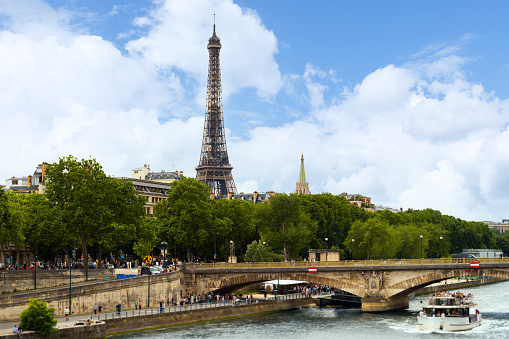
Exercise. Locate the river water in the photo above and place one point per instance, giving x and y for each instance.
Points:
(492, 300)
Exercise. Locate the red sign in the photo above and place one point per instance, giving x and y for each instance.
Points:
(312, 270)
(474, 265)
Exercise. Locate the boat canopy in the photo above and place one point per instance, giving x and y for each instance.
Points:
(283, 282)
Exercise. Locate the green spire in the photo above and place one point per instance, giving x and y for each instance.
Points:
(302, 174)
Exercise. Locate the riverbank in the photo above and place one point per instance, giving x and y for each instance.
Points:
(162, 320)
(455, 284)
(146, 319)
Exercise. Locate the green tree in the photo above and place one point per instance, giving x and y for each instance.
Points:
(5, 222)
(234, 220)
(148, 235)
(189, 205)
(38, 317)
(93, 206)
(15, 232)
(374, 238)
(284, 224)
(332, 214)
(254, 252)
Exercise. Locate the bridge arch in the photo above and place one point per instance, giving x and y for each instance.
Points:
(381, 287)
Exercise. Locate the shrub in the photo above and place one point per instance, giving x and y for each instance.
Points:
(38, 317)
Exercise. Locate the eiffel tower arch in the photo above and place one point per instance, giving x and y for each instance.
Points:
(214, 169)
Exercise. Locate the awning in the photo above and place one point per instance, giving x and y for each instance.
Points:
(284, 282)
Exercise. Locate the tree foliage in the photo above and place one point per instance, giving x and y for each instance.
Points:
(38, 317)
(187, 205)
(91, 205)
(285, 225)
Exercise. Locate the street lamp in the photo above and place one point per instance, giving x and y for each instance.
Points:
(421, 246)
(86, 255)
(441, 246)
(336, 238)
(352, 247)
(70, 275)
(232, 250)
(35, 270)
(164, 246)
(215, 245)
(326, 240)
(175, 231)
(264, 251)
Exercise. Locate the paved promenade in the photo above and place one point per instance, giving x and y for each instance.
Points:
(6, 327)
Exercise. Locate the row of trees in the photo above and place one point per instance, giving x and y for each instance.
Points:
(83, 206)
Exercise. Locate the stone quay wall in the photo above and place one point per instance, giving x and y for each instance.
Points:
(24, 280)
(94, 331)
(108, 294)
(152, 321)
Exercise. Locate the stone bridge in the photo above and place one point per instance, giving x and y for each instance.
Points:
(381, 287)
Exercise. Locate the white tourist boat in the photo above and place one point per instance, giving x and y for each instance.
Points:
(447, 312)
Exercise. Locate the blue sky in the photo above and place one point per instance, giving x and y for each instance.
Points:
(405, 102)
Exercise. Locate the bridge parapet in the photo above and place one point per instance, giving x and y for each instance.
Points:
(382, 262)
(381, 286)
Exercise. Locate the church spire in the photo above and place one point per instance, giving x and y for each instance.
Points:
(302, 186)
(302, 174)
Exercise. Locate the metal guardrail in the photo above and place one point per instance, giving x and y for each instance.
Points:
(383, 262)
(195, 306)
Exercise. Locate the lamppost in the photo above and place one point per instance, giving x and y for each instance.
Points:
(164, 246)
(215, 245)
(232, 250)
(175, 231)
(35, 269)
(326, 240)
(352, 247)
(70, 275)
(263, 243)
(86, 257)
(421, 246)
(441, 246)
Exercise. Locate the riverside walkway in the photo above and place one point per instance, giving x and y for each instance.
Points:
(6, 327)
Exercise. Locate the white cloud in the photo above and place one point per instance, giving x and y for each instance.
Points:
(179, 34)
(391, 139)
(415, 136)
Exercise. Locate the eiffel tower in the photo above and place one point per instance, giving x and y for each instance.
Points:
(214, 169)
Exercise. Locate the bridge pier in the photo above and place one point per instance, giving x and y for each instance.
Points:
(372, 304)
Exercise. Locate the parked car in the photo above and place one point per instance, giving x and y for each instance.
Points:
(160, 269)
(146, 270)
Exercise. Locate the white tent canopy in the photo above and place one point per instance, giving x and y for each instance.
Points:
(283, 282)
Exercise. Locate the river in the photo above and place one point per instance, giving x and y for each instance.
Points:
(492, 300)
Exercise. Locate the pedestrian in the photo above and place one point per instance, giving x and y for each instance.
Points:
(17, 330)
(139, 303)
(95, 308)
(136, 304)
(100, 309)
(161, 306)
(66, 312)
(119, 308)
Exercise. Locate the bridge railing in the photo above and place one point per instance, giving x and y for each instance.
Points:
(382, 262)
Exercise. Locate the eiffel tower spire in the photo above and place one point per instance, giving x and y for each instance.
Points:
(214, 169)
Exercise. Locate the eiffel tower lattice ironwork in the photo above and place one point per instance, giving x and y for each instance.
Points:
(214, 169)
